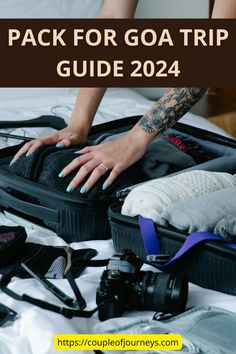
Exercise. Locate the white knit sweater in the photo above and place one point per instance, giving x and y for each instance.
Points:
(151, 198)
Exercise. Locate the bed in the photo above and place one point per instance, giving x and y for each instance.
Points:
(33, 331)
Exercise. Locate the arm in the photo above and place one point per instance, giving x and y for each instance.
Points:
(169, 109)
(224, 9)
(118, 8)
(88, 99)
(120, 154)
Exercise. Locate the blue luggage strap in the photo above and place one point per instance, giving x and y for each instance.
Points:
(152, 246)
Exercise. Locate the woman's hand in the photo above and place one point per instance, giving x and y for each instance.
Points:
(115, 156)
(64, 138)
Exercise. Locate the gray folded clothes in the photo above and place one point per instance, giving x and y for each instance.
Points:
(202, 213)
(226, 228)
(220, 164)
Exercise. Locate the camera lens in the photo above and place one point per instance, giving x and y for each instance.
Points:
(159, 292)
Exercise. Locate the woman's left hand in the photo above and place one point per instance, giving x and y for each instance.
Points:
(115, 156)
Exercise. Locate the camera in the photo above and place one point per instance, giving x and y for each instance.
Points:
(124, 287)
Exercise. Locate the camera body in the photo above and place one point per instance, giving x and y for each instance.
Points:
(116, 284)
(124, 287)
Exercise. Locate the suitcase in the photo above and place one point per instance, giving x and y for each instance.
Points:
(210, 264)
(73, 219)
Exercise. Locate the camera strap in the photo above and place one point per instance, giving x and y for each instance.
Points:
(163, 261)
(75, 307)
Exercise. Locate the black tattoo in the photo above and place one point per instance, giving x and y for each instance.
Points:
(169, 109)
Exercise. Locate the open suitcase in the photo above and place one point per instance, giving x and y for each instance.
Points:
(74, 219)
(209, 264)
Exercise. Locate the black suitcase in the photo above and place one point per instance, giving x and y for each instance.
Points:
(210, 264)
(73, 219)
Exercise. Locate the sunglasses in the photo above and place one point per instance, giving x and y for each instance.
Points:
(6, 315)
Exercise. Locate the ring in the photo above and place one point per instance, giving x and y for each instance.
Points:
(106, 168)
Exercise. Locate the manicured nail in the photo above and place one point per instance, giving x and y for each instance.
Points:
(62, 174)
(83, 190)
(105, 186)
(28, 154)
(12, 162)
(60, 145)
(69, 189)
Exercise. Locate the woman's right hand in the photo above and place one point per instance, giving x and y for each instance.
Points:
(63, 138)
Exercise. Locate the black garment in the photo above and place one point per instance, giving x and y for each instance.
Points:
(161, 158)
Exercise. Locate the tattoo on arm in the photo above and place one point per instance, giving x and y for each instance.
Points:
(169, 109)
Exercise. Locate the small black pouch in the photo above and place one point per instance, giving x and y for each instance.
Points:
(12, 240)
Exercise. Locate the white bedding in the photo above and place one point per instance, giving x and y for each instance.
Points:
(33, 332)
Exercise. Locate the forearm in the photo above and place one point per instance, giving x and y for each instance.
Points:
(88, 99)
(118, 8)
(224, 9)
(85, 108)
(166, 112)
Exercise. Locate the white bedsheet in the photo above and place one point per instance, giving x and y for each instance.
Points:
(33, 332)
(23, 104)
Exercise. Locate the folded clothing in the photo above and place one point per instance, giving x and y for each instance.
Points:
(220, 164)
(162, 158)
(202, 213)
(226, 227)
(152, 198)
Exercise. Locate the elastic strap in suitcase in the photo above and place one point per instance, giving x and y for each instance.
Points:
(163, 261)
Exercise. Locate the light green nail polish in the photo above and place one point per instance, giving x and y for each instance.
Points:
(83, 190)
(69, 189)
(60, 145)
(28, 154)
(12, 162)
(62, 174)
(105, 186)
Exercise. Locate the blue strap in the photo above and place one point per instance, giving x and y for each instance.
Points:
(151, 242)
(152, 247)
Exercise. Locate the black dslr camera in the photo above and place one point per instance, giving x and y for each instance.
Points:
(124, 287)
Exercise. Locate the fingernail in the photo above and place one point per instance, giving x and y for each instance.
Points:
(60, 145)
(83, 190)
(105, 186)
(28, 154)
(12, 162)
(62, 174)
(69, 189)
